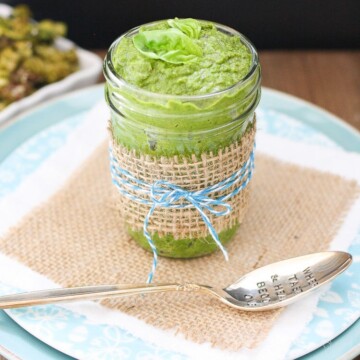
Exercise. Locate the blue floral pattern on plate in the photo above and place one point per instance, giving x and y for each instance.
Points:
(73, 334)
(31, 154)
(76, 336)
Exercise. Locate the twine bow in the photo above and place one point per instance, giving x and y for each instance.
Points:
(167, 195)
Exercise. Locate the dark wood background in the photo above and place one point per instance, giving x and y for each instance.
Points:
(270, 24)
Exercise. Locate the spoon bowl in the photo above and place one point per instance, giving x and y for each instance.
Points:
(281, 283)
(266, 288)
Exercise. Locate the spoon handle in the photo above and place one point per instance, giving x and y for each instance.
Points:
(52, 296)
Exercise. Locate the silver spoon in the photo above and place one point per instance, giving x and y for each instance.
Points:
(269, 287)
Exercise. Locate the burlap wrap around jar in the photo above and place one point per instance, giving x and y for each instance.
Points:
(192, 142)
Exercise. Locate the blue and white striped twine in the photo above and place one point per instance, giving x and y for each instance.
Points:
(162, 193)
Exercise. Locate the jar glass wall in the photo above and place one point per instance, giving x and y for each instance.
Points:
(161, 125)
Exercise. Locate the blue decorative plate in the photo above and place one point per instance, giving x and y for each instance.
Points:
(29, 141)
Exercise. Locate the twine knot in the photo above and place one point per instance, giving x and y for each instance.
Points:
(164, 194)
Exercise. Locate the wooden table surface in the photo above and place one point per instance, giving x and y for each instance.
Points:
(330, 79)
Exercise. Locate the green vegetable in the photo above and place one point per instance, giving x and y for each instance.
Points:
(29, 58)
(225, 60)
(170, 45)
(189, 27)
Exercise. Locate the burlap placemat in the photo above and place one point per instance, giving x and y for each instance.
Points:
(193, 174)
(76, 238)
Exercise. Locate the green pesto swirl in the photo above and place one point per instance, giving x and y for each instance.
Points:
(214, 60)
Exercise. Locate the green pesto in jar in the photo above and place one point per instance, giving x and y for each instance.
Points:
(224, 61)
(188, 58)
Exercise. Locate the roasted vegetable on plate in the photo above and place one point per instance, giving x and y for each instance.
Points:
(29, 57)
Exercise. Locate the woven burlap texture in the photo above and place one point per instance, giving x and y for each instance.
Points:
(76, 238)
(193, 174)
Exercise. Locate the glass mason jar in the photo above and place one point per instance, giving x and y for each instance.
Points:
(161, 125)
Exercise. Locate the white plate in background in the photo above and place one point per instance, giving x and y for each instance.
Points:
(90, 66)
